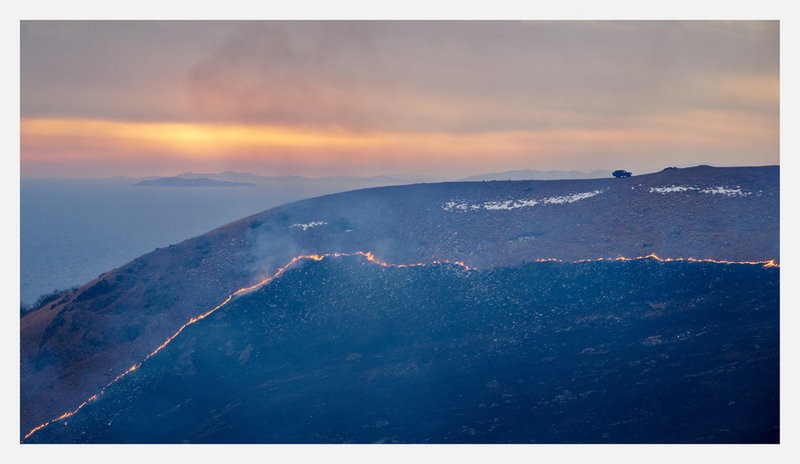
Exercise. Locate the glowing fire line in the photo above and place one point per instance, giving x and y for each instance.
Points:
(767, 263)
(371, 258)
(242, 291)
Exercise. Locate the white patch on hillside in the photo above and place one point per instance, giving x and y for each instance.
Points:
(729, 192)
(308, 225)
(507, 205)
(672, 189)
(737, 192)
(454, 206)
(570, 198)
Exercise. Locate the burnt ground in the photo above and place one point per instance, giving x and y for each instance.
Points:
(76, 344)
(344, 351)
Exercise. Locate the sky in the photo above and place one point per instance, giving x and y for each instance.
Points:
(407, 98)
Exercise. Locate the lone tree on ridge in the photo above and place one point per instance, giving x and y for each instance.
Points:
(621, 173)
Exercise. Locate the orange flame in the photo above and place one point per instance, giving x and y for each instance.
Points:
(766, 264)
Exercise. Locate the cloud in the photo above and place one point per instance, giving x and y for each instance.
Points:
(375, 97)
(132, 70)
(474, 76)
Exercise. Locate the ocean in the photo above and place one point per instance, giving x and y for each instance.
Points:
(71, 231)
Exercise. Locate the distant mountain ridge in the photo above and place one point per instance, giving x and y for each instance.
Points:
(231, 176)
(380, 180)
(191, 182)
(530, 174)
(76, 344)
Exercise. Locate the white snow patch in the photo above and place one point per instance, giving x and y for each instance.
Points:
(454, 206)
(308, 225)
(507, 205)
(730, 192)
(672, 189)
(570, 198)
(737, 192)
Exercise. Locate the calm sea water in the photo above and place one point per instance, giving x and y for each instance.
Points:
(74, 230)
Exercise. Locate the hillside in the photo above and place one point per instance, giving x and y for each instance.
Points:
(343, 351)
(77, 344)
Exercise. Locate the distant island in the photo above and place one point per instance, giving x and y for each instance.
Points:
(184, 182)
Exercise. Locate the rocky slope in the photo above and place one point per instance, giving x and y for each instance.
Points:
(345, 351)
(77, 344)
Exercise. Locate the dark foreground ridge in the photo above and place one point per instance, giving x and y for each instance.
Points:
(78, 343)
(341, 351)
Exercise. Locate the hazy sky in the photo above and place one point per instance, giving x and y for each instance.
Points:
(444, 99)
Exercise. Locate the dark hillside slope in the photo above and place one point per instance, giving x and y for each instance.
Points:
(78, 343)
(343, 350)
